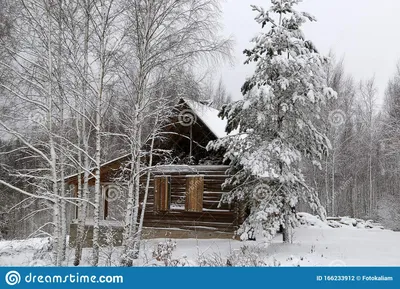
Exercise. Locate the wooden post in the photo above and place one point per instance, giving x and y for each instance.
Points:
(76, 201)
(162, 193)
(239, 211)
(236, 214)
(191, 143)
(194, 193)
(105, 215)
(242, 212)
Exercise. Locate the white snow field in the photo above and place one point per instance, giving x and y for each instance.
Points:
(344, 242)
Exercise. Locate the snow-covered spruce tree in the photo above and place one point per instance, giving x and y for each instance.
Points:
(278, 122)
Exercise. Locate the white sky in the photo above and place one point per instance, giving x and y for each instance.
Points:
(365, 32)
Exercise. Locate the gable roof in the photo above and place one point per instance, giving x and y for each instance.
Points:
(206, 114)
(209, 116)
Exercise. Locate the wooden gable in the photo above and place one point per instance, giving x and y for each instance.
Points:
(186, 142)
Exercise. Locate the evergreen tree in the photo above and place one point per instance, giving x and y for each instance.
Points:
(278, 122)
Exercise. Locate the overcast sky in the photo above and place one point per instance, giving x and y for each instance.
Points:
(365, 32)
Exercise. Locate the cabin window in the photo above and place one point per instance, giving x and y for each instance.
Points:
(162, 193)
(194, 193)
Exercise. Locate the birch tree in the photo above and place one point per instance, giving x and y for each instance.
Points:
(162, 35)
(77, 17)
(103, 38)
(368, 103)
(35, 86)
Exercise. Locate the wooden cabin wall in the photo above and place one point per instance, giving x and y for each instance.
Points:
(213, 217)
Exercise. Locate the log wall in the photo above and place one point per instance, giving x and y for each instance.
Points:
(187, 211)
(177, 211)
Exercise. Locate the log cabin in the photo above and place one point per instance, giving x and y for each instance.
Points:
(185, 189)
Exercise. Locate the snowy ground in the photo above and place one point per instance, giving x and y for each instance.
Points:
(315, 244)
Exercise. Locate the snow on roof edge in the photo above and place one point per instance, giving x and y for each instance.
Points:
(209, 116)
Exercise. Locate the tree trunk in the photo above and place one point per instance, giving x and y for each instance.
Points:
(328, 203)
(97, 186)
(134, 234)
(287, 230)
(146, 193)
(81, 134)
(128, 226)
(333, 184)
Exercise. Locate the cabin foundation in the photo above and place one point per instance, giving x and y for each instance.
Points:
(111, 235)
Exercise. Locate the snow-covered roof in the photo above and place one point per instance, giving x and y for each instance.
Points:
(209, 116)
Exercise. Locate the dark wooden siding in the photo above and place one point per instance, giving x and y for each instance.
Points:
(213, 216)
